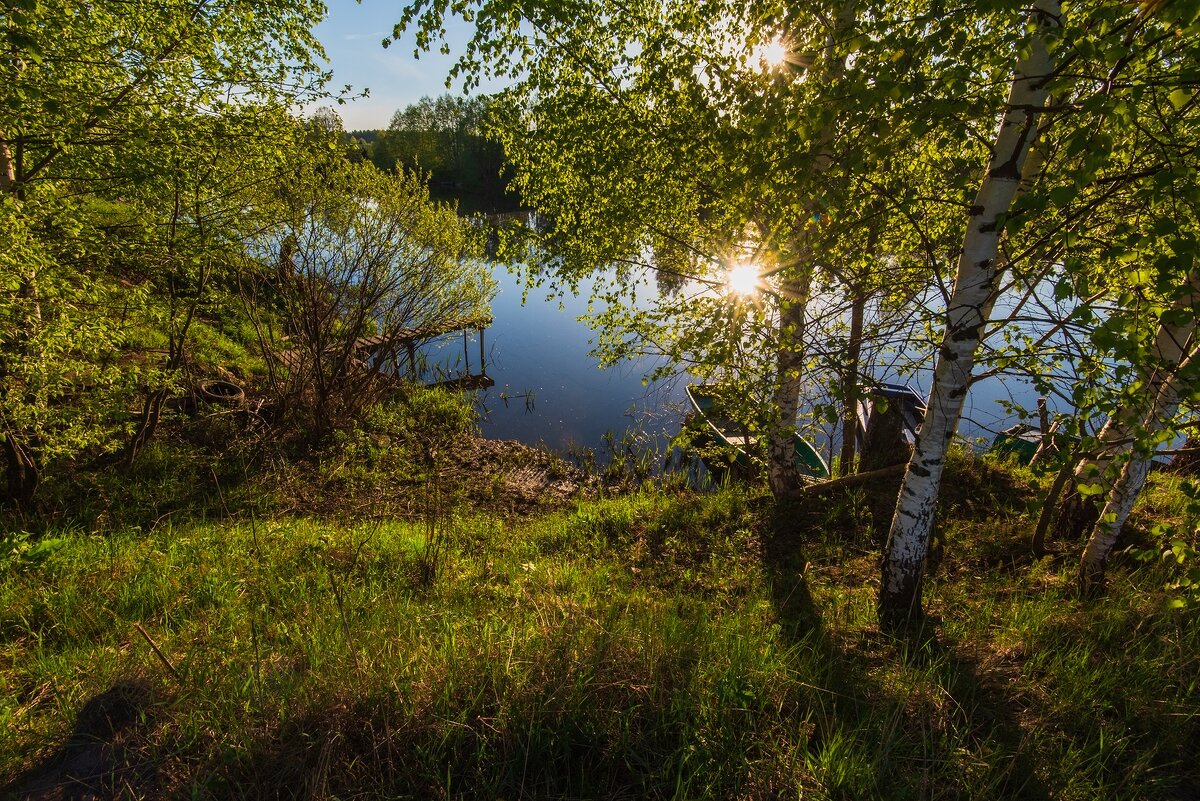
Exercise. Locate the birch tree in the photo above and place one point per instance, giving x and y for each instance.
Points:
(1114, 205)
(1116, 438)
(968, 309)
(650, 124)
(1172, 388)
(1143, 271)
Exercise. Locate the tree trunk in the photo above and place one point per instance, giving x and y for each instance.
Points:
(177, 346)
(8, 170)
(1047, 446)
(1079, 512)
(884, 441)
(1128, 485)
(22, 474)
(1050, 507)
(781, 468)
(967, 310)
(846, 482)
(850, 386)
(151, 415)
(781, 457)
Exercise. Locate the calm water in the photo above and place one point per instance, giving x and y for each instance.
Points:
(550, 391)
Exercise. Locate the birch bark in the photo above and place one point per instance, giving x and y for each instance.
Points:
(850, 385)
(781, 450)
(967, 310)
(793, 352)
(1129, 483)
(1080, 513)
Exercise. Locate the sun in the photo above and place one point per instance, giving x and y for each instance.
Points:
(743, 279)
(773, 54)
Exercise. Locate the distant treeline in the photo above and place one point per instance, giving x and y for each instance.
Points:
(446, 139)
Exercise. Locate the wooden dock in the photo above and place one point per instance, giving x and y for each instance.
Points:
(391, 355)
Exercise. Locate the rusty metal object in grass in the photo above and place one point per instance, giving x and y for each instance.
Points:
(220, 392)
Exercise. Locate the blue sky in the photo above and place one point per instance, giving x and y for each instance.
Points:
(352, 34)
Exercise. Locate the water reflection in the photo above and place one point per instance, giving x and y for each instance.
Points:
(550, 391)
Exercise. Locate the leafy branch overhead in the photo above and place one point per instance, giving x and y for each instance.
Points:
(1011, 187)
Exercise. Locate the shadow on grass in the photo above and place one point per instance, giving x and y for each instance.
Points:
(107, 755)
(910, 716)
(985, 714)
(690, 682)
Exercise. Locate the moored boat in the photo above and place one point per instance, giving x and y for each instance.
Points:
(741, 439)
(889, 417)
(1022, 441)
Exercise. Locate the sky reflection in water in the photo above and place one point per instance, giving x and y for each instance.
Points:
(550, 391)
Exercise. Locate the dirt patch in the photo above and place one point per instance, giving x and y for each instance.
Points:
(507, 475)
(496, 476)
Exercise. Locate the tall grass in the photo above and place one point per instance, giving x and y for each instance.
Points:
(659, 645)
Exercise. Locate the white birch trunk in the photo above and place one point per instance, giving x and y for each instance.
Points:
(969, 306)
(1116, 435)
(781, 449)
(1129, 483)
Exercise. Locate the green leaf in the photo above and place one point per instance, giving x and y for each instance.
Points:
(1063, 195)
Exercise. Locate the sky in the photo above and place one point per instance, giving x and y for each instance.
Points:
(352, 34)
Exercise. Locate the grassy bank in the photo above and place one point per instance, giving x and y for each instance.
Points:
(660, 645)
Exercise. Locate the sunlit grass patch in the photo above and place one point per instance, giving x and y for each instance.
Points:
(662, 644)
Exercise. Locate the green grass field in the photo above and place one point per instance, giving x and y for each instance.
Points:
(664, 644)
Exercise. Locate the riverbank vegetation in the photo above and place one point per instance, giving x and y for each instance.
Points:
(185, 240)
(663, 644)
(245, 553)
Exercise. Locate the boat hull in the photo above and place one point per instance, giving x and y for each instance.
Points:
(739, 440)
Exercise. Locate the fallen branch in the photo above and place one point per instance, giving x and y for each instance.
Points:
(848, 481)
(158, 652)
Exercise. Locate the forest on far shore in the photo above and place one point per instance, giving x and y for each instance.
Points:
(444, 138)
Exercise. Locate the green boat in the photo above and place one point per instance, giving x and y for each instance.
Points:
(1023, 440)
(735, 436)
(1020, 441)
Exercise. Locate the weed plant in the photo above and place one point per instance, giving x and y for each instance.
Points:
(658, 645)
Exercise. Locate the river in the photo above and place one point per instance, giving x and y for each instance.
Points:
(551, 391)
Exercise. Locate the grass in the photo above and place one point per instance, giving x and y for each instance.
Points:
(658, 645)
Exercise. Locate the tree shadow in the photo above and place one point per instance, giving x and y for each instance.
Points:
(784, 548)
(911, 703)
(107, 755)
(984, 710)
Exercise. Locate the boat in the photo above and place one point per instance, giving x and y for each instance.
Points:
(741, 441)
(901, 398)
(1022, 441)
(889, 417)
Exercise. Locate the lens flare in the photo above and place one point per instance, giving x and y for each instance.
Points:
(743, 279)
(773, 53)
